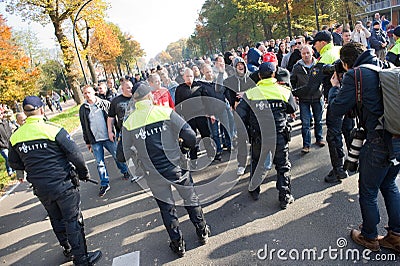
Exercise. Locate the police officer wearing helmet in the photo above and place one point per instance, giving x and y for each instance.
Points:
(154, 131)
(264, 110)
(49, 156)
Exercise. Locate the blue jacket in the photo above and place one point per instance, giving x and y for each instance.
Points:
(344, 99)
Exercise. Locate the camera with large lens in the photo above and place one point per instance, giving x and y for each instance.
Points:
(335, 67)
(358, 136)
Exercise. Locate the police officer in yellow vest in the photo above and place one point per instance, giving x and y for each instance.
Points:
(393, 55)
(264, 110)
(51, 158)
(154, 132)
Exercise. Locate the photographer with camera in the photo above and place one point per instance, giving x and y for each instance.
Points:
(320, 76)
(48, 155)
(360, 90)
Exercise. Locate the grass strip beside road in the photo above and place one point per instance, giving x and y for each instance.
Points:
(68, 119)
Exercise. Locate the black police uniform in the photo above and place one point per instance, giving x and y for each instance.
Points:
(154, 132)
(45, 151)
(257, 105)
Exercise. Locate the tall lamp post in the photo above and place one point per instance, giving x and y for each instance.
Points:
(73, 36)
(316, 13)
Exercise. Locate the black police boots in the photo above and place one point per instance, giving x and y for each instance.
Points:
(89, 259)
(178, 247)
(203, 234)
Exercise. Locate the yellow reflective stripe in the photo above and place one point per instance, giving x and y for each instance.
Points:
(146, 115)
(268, 90)
(35, 129)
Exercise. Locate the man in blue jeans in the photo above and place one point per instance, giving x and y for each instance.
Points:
(376, 171)
(309, 101)
(93, 115)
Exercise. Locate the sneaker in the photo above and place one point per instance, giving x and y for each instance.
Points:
(240, 170)
(390, 241)
(305, 150)
(320, 143)
(371, 244)
(203, 234)
(178, 247)
(103, 190)
(89, 259)
(288, 199)
(126, 176)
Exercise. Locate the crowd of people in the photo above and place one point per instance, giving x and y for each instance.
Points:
(160, 112)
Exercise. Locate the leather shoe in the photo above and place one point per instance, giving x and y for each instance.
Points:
(320, 143)
(371, 244)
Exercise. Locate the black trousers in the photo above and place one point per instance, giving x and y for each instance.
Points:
(161, 189)
(281, 161)
(66, 219)
(201, 123)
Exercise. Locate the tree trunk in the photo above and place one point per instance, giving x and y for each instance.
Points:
(289, 24)
(91, 69)
(68, 58)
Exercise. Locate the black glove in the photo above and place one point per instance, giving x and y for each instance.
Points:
(184, 149)
(84, 177)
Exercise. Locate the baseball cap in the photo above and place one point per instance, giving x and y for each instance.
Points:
(267, 67)
(322, 35)
(292, 43)
(142, 90)
(270, 57)
(32, 103)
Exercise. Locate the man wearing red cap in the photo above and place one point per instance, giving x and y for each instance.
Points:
(282, 75)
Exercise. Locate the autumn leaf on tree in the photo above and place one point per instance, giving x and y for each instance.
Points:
(17, 78)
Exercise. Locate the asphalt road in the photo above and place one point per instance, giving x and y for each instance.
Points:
(314, 230)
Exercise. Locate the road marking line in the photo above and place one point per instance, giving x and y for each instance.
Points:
(130, 259)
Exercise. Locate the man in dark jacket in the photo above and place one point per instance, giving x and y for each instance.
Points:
(192, 105)
(268, 103)
(376, 171)
(154, 131)
(48, 155)
(93, 117)
(378, 40)
(307, 101)
(5, 133)
(254, 57)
